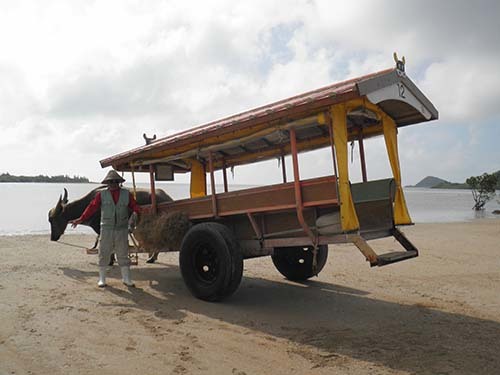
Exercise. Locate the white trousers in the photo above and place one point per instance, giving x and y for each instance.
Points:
(113, 241)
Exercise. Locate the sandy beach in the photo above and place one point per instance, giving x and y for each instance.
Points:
(436, 314)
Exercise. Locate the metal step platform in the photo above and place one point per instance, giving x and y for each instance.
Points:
(397, 256)
(394, 257)
(387, 258)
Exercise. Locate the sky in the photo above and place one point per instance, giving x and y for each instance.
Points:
(83, 80)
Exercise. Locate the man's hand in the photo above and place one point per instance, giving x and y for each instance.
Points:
(132, 222)
(75, 222)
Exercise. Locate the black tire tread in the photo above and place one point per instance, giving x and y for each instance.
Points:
(229, 254)
(281, 258)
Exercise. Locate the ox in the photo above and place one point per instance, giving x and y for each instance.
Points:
(64, 211)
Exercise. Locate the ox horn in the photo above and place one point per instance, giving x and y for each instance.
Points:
(58, 206)
(65, 198)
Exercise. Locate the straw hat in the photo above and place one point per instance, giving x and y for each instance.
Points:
(112, 176)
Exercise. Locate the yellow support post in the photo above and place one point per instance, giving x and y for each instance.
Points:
(198, 179)
(348, 217)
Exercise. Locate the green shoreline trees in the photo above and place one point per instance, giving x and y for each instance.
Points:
(483, 189)
(6, 177)
(431, 182)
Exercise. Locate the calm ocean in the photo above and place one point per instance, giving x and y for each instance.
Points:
(26, 205)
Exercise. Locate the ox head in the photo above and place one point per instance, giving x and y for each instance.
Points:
(57, 219)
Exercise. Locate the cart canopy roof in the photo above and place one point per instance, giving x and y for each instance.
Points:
(262, 133)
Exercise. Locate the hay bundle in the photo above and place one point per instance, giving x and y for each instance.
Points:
(162, 232)
(142, 230)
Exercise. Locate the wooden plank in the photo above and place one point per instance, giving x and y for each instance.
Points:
(319, 191)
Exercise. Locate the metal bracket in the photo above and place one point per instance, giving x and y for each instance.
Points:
(255, 227)
(365, 249)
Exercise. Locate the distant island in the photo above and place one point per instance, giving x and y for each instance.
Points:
(432, 182)
(6, 177)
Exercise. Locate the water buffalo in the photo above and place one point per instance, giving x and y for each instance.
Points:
(64, 211)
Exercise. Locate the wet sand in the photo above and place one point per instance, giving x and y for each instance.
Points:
(436, 314)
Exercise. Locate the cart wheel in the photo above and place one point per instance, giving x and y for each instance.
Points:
(237, 261)
(296, 263)
(211, 262)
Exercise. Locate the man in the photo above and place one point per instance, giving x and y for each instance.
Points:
(115, 204)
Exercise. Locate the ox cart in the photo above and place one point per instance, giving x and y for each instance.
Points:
(293, 221)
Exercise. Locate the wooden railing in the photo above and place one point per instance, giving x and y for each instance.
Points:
(315, 192)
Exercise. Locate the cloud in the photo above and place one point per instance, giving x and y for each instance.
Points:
(137, 91)
(466, 89)
(87, 79)
(16, 99)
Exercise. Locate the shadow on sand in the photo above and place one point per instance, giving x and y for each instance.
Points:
(335, 319)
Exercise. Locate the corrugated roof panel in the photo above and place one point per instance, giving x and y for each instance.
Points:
(297, 107)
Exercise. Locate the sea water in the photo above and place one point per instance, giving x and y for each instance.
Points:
(25, 206)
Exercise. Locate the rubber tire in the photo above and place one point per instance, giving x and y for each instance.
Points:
(287, 261)
(237, 261)
(210, 245)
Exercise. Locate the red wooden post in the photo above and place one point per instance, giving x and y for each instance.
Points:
(329, 124)
(212, 183)
(154, 208)
(298, 189)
